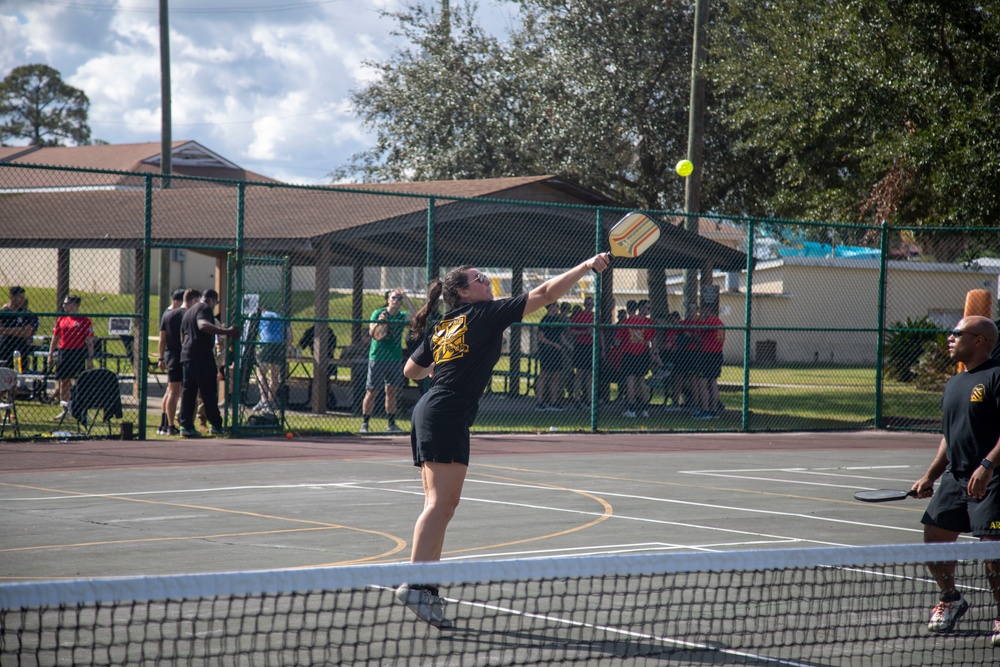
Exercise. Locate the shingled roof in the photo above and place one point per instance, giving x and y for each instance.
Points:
(381, 224)
(188, 158)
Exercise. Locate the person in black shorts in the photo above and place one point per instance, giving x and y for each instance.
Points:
(169, 355)
(968, 497)
(198, 332)
(459, 355)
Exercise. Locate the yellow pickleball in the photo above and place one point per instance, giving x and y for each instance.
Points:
(684, 168)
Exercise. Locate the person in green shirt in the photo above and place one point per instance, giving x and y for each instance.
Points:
(385, 358)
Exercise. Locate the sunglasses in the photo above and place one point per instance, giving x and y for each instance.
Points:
(481, 278)
(395, 298)
(958, 333)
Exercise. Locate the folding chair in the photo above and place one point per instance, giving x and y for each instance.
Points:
(96, 389)
(8, 400)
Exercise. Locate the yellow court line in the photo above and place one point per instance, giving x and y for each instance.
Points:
(608, 511)
(399, 543)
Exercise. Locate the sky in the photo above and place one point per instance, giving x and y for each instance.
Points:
(263, 83)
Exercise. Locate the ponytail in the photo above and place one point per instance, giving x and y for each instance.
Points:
(419, 322)
(454, 280)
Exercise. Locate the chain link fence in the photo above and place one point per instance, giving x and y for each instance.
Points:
(727, 324)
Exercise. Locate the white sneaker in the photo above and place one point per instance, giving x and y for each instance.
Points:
(392, 428)
(425, 604)
(946, 614)
(364, 428)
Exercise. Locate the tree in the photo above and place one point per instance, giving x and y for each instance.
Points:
(36, 104)
(596, 91)
(867, 110)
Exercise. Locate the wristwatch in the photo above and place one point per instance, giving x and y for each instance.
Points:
(986, 463)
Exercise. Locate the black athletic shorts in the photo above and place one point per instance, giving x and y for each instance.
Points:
(71, 363)
(172, 362)
(953, 509)
(439, 427)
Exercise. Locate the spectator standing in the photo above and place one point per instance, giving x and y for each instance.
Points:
(198, 332)
(385, 358)
(17, 326)
(551, 345)
(639, 351)
(583, 346)
(688, 367)
(169, 356)
(712, 340)
(74, 336)
(274, 337)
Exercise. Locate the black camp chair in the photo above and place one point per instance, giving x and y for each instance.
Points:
(96, 389)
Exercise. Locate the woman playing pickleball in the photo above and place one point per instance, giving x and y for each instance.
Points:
(459, 355)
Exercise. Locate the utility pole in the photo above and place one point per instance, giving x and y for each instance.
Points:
(166, 145)
(696, 131)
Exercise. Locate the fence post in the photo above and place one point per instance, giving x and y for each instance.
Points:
(595, 343)
(142, 369)
(880, 336)
(429, 251)
(236, 308)
(747, 308)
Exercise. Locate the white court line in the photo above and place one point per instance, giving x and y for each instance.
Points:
(614, 549)
(779, 480)
(671, 501)
(661, 522)
(625, 633)
(381, 487)
(795, 469)
(71, 495)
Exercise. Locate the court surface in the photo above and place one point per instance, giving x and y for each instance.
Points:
(116, 508)
(113, 508)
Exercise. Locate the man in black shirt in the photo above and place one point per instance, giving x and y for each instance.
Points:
(17, 326)
(968, 497)
(198, 332)
(169, 352)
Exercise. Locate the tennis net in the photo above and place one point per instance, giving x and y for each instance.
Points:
(831, 606)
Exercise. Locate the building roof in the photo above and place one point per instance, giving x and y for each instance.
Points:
(360, 224)
(188, 158)
(93, 196)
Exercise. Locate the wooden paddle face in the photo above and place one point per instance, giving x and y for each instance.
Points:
(633, 235)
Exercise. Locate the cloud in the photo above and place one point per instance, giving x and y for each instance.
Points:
(267, 89)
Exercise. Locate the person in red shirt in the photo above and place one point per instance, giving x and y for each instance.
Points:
(639, 351)
(75, 337)
(710, 367)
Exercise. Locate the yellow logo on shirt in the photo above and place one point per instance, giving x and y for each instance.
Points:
(978, 394)
(449, 340)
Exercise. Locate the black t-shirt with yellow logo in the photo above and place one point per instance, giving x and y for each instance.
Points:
(466, 344)
(971, 416)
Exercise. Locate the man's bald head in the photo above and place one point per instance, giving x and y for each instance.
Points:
(978, 325)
